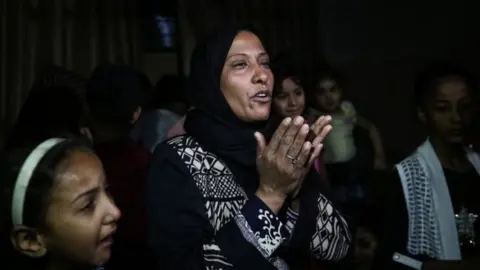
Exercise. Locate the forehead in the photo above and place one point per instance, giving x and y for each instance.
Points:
(326, 83)
(246, 42)
(289, 85)
(81, 172)
(452, 89)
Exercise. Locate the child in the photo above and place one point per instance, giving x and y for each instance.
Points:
(59, 215)
(340, 146)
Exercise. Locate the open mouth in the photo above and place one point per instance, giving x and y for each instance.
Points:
(107, 240)
(264, 96)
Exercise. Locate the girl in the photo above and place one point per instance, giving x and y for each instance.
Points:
(432, 205)
(289, 97)
(59, 215)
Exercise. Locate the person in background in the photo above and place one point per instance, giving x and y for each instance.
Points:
(167, 107)
(354, 148)
(177, 129)
(114, 95)
(55, 207)
(47, 112)
(289, 97)
(220, 197)
(431, 205)
(55, 106)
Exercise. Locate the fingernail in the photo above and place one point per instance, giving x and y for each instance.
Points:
(287, 120)
(328, 118)
(304, 128)
(298, 120)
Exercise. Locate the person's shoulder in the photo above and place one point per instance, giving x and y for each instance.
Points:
(175, 149)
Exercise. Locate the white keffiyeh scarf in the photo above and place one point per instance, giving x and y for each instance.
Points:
(432, 229)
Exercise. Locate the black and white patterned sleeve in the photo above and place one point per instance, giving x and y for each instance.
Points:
(331, 240)
(262, 228)
(182, 236)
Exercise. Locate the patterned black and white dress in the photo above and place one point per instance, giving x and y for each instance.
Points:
(201, 218)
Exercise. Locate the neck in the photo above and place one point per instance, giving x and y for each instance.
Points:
(451, 155)
(66, 266)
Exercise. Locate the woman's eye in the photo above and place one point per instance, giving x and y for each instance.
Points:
(239, 65)
(89, 206)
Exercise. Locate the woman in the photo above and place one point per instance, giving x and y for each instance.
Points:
(220, 196)
(54, 195)
(433, 201)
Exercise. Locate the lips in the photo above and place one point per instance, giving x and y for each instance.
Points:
(456, 132)
(294, 112)
(262, 96)
(107, 240)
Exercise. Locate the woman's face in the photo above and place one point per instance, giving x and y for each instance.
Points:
(247, 80)
(449, 110)
(328, 95)
(290, 100)
(82, 218)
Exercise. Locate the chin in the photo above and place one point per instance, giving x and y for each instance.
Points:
(260, 116)
(102, 257)
(456, 140)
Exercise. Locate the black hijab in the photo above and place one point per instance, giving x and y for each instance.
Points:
(212, 123)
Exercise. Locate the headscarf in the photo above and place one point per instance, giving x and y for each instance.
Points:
(213, 123)
(217, 129)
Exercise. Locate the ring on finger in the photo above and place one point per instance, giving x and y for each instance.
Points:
(292, 158)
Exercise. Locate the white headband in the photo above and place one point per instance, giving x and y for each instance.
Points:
(25, 175)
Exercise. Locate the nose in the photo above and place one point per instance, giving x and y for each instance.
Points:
(260, 75)
(292, 101)
(456, 117)
(113, 213)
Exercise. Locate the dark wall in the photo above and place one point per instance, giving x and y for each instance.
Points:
(380, 45)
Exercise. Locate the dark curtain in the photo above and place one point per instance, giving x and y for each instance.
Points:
(282, 24)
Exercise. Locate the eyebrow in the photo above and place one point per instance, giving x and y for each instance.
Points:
(244, 54)
(87, 193)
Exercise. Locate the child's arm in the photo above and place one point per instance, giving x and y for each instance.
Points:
(380, 161)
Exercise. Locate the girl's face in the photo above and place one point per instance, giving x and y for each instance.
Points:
(81, 217)
(328, 95)
(448, 111)
(290, 101)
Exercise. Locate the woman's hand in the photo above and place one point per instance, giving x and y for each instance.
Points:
(321, 128)
(284, 162)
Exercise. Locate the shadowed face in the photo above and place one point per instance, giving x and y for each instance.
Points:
(290, 99)
(246, 80)
(448, 111)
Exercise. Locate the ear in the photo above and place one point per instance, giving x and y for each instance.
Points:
(85, 131)
(136, 115)
(28, 241)
(421, 115)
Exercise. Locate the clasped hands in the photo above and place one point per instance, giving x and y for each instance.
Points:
(283, 163)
